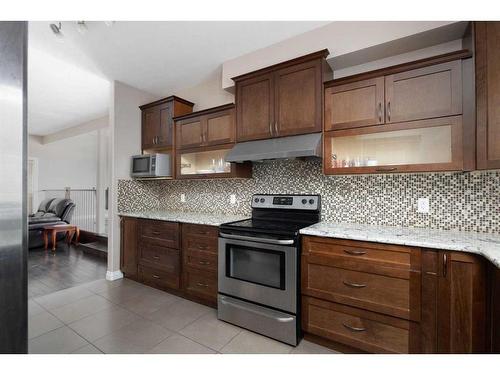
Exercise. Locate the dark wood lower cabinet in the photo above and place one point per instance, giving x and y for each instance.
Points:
(180, 259)
(456, 310)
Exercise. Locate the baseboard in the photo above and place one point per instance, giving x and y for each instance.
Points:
(114, 275)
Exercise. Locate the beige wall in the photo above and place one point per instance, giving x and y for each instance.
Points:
(339, 37)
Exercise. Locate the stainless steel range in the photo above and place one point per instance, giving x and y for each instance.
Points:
(259, 261)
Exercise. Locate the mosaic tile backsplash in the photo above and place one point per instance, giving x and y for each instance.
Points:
(458, 201)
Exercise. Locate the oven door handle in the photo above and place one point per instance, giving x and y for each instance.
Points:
(266, 315)
(257, 239)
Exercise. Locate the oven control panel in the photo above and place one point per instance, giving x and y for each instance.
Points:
(291, 202)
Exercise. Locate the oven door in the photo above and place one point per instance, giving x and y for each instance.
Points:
(264, 273)
(141, 166)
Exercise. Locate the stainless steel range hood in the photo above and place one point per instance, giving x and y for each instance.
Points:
(308, 145)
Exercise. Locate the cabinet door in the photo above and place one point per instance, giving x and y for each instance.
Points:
(255, 108)
(355, 104)
(190, 133)
(219, 128)
(433, 91)
(461, 303)
(488, 94)
(298, 99)
(150, 127)
(128, 257)
(166, 126)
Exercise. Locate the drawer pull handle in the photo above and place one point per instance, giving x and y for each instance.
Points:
(353, 285)
(202, 247)
(156, 257)
(156, 233)
(354, 252)
(202, 285)
(386, 169)
(203, 263)
(354, 329)
(156, 277)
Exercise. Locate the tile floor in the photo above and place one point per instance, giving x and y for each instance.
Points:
(127, 317)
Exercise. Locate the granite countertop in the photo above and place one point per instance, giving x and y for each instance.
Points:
(185, 217)
(487, 245)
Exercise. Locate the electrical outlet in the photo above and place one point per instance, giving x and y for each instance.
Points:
(232, 198)
(183, 198)
(423, 205)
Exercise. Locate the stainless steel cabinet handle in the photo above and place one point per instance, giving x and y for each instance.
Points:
(202, 247)
(271, 128)
(257, 239)
(388, 111)
(353, 285)
(156, 277)
(156, 257)
(203, 263)
(379, 112)
(202, 285)
(155, 233)
(355, 329)
(445, 264)
(276, 128)
(354, 252)
(154, 140)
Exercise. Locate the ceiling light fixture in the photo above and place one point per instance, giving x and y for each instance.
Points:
(82, 28)
(56, 29)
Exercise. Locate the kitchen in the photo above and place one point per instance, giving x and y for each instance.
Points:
(359, 212)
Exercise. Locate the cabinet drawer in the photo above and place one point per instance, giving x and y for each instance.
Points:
(200, 283)
(383, 294)
(200, 230)
(201, 259)
(163, 233)
(156, 256)
(159, 278)
(359, 255)
(198, 243)
(355, 327)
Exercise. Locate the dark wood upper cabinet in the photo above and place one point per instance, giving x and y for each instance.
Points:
(487, 44)
(210, 127)
(433, 91)
(157, 121)
(355, 104)
(281, 100)
(255, 108)
(298, 99)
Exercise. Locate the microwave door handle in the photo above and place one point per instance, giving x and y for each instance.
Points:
(257, 239)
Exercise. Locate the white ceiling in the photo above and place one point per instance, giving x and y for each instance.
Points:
(68, 78)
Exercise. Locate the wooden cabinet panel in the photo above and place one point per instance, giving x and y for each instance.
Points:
(220, 128)
(152, 255)
(355, 104)
(166, 127)
(255, 108)
(487, 36)
(201, 284)
(433, 91)
(150, 127)
(159, 278)
(128, 256)
(461, 303)
(383, 294)
(158, 124)
(162, 233)
(358, 328)
(190, 133)
(200, 230)
(298, 95)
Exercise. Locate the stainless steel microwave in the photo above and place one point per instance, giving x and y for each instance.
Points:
(151, 165)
